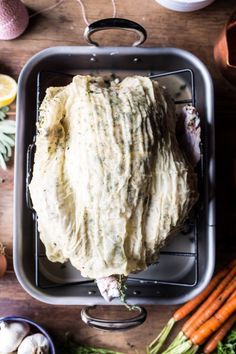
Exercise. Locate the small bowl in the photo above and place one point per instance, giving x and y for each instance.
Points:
(185, 5)
(35, 328)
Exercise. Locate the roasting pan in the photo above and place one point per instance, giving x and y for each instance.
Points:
(187, 262)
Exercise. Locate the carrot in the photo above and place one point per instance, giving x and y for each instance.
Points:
(187, 327)
(184, 310)
(210, 299)
(232, 296)
(219, 335)
(212, 308)
(187, 308)
(214, 323)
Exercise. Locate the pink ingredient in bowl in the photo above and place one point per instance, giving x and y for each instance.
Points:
(14, 19)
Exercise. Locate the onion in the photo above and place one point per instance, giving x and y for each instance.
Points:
(3, 260)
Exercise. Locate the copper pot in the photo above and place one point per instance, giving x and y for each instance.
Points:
(225, 50)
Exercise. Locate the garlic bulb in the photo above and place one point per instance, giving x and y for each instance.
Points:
(35, 344)
(11, 335)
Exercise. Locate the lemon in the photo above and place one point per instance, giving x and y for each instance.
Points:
(8, 89)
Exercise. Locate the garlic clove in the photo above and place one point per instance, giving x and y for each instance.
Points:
(34, 344)
(11, 335)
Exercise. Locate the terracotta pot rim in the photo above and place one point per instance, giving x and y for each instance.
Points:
(230, 24)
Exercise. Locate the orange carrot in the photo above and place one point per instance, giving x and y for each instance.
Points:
(212, 308)
(211, 298)
(214, 323)
(184, 310)
(219, 335)
(232, 296)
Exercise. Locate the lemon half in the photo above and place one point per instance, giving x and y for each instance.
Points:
(8, 89)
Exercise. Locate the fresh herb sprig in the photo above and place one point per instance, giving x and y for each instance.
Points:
(72, 348)
(3, 112)
(89, 350)
(7, 137)
(229, 344)
(122, 290)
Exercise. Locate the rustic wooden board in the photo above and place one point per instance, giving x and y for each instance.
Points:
(195, 32)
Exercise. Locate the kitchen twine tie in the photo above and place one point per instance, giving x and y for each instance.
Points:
(14, 17)
(83, 10)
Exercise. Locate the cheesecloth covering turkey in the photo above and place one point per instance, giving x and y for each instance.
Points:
(110, 182)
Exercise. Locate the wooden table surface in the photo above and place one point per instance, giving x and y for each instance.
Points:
(195, 32)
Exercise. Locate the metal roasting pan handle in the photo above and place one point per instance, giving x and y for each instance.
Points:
(113, 325)
(118, 23)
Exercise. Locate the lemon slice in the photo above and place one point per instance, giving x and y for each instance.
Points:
(8, 89)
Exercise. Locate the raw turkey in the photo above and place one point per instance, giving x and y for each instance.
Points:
(111, 182)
